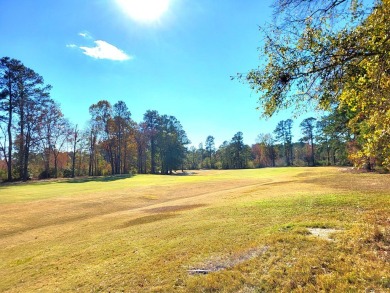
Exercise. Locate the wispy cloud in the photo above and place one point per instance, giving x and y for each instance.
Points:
(104, 50)
(85, 35)
(101, 50)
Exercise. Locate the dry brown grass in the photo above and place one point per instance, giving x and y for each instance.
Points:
(144, 233)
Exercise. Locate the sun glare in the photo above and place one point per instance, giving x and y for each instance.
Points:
(144, 10)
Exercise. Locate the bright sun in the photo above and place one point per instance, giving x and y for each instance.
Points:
(144, 10)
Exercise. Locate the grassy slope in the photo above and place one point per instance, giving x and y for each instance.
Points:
(144, 233)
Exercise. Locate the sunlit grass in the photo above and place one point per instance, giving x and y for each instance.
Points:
(145, 232)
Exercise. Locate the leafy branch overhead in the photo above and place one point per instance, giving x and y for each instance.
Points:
(313, 49)
(330, 54)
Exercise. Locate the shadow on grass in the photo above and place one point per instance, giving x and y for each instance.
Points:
(98, 179)
(147, 220)
(66, 180)
(84, 179)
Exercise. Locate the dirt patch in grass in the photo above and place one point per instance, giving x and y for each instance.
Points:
(226, 262)
(323, 233)
(168, 209)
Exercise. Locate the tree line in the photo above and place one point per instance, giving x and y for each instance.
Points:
(36, 140)
(323, 142)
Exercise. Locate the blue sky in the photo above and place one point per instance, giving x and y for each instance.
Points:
(178, 63)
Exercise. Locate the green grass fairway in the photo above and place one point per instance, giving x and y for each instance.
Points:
(248, 229)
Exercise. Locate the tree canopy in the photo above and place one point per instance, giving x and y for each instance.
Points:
(333, 55)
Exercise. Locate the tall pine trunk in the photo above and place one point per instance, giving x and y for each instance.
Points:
(9, 131)
(26, 156)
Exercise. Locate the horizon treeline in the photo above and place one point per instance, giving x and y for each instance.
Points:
(37, 141)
